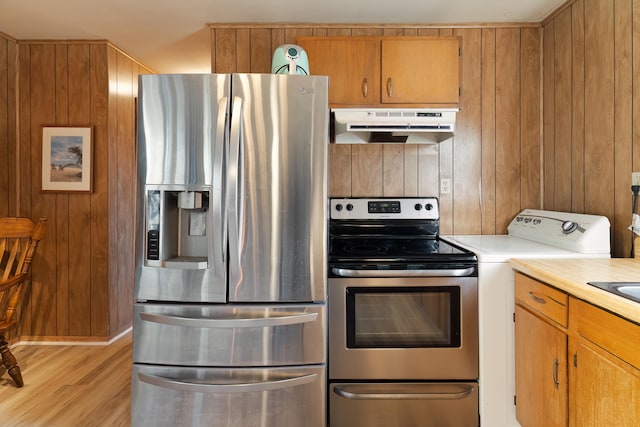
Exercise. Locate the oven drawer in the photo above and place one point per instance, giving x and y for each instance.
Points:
(247, 397)
(403, 404)
(229, 335)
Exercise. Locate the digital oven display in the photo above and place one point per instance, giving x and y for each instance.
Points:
(379, 206)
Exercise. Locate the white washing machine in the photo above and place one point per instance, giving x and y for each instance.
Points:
(531, 234)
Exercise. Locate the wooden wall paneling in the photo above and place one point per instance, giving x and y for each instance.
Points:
(126, 187)
(636, 84)
(623, 124)
(335, 32)
(244, 50)
(488, 132)
(112, 187)
(277, 37)
(599, 111)
(508, 164)
(577, 108)
(23, 185)
(62, 199)
(411, 171)
(362, 31)
(562, 117)
(42, 110)
(339, 170)
(531, 98)
(80, 242)
(432, 32)
(444, 170)
(467, 148)
(225, 50)
(548, 52)
(4, 129)
(366, 171)
(12, 134)
(393, 170)
(101, 308)
(428, 170)
(261, 50)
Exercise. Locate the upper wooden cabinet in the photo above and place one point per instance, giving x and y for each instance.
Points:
(378, 71)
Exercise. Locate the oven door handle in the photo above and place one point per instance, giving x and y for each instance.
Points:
(403, 392)
(449, 272)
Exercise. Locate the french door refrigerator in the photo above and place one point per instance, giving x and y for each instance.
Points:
(230, 286)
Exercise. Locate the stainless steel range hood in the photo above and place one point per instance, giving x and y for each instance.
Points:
(393, 125)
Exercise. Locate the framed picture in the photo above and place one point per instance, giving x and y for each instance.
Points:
(66, 158)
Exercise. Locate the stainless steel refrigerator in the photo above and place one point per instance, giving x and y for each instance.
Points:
(230, 287)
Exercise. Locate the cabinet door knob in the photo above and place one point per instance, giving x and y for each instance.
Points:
(389, 87)
(365, 87)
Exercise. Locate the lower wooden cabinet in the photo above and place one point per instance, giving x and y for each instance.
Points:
(607, 390)
(584, 372)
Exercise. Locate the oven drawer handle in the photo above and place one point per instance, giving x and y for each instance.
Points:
(455, 272)
(413, 391)
(249, 322)
(225, 388)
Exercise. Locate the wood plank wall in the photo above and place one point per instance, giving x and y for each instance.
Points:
(8, 71)
(591, 136)
(494, 159)
(82, 277)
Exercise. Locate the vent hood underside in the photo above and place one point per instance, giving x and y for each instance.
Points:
(395, 125)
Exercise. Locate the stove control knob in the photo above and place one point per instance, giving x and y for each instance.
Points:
(349, 207)
(418, 206)
(338, 207)
(428, 206)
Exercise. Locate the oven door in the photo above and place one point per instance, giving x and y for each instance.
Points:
(403, 328)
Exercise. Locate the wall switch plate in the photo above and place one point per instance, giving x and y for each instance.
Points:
(635, 178)
(445, 186)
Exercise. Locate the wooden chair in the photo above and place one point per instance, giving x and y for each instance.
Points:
(19, 238)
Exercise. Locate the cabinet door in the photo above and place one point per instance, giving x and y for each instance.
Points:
(541, 372)
(607, 391)
(424, 71)
(353, 67)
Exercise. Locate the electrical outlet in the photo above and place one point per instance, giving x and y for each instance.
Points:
(635, 178)
(445, 186)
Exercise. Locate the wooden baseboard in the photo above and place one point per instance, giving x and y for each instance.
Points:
(67, 340)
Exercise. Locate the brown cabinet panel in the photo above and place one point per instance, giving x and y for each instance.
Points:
(541, 372)
(607, 390)
(422, 71)
(352, 64)
(387, 70)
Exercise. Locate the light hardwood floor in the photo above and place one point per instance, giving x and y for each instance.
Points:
(69, 386)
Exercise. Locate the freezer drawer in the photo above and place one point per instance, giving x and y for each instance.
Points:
(181, 396)
(229, 335)
(403, 404)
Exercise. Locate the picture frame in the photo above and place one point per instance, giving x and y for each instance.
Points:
(67, 154)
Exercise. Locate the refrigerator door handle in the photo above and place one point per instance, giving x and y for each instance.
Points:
(401, 392)
(259, 322)
(235, 180)
(225, 388)
(219, 216)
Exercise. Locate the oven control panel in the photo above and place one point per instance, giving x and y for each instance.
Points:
(385, 208)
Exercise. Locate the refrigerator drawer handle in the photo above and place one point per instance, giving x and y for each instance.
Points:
(456, 272)
(225, 388)
(343, 391)
(261, 322)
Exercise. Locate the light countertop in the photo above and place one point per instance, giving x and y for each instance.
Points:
(572, 275)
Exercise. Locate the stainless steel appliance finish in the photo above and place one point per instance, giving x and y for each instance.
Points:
(403, 317)
(404, 404)
(408, 328)
(239, 397)
(230, 291)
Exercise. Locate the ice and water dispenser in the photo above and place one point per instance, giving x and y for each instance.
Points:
(177, 227)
